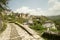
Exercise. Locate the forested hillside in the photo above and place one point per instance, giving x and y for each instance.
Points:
(56, 20)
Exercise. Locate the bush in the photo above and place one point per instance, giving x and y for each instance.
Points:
(38, 27)
(3, 27)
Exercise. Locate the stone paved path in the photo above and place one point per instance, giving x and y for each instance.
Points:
(14, 32)
(6, 34)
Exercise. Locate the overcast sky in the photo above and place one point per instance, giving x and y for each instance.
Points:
(36, 7)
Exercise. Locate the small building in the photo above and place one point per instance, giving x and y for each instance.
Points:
(49, 25)
(25, 16)
(29, 22)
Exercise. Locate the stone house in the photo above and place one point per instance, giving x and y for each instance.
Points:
(25, 16)
(29, 22)
(49, 25)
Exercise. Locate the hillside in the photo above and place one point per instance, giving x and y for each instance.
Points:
(56, 20)
(39, 24)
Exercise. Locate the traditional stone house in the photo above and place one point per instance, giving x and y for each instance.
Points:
(29, 22)
(49, 25)
(25, 16)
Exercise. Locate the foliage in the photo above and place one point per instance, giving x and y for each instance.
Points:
(56, 20)
(37, 26)
(53, 30)
(4, 25)
(3, 4)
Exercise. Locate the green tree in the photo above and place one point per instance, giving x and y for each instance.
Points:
(3, 4)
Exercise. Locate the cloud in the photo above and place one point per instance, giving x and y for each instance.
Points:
(37, 11)
(54, 3)
(50, 1)
(54, 9)
(23, 10)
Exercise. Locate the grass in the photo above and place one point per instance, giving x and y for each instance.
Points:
(38, 28)
(3, 27)
(53, 30)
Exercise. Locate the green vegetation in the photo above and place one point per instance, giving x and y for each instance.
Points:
(15, 18)
(53, 30)
(3, 4)
(4, 25)
(37, 26)
(3, 17)
(56, 20)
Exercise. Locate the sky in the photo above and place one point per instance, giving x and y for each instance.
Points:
(36, 7)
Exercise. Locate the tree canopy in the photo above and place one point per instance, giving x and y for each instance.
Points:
(3, 4)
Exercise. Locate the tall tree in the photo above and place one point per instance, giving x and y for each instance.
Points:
(3, 4)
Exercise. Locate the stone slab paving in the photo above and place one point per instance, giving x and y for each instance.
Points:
(25, 35)
(14, 32)
(6, 34)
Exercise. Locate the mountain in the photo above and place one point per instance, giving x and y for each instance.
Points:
(56, 19)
